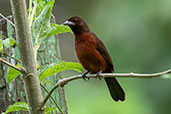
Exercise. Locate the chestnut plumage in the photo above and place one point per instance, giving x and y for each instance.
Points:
(93, 55)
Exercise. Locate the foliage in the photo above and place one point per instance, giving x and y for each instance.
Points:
(59, 67)
(40, 12)
(8, 42)
(1, 46)
(48, 70)
(12, 74)
(138, 28)
(41, 27)
(50, 109)
(24, 106)
(41, 30)
(17, 106)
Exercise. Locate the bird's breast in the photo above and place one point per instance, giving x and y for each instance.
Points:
(89, 57)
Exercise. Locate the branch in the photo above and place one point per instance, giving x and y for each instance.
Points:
(64, 81)
(52, 98)
(7, 20)
(11, 65)
(11, 57)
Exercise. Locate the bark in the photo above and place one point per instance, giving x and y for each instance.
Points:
(49, 53)
(3, 84)
(31, 81)
(13, 92)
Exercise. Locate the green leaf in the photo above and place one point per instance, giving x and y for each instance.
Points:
(10, 29)
(40, 5)
(1, 46)
(12, 74)
(8, 42)
(50, 109)
(41, 25)
(11, 41)
(48, 82)
(58, 67)
(42, 28)
(17, 106)
(58, 29)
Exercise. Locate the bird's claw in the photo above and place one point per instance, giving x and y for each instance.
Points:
(84, 76)
(98, 75)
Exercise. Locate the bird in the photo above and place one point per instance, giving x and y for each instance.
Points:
(93, 55)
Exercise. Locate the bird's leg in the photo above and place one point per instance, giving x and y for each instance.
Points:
(84, 76)
(98, 74)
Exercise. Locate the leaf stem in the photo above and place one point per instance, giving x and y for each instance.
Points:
(32, 15)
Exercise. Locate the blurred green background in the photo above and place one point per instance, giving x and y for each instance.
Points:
(137, 34)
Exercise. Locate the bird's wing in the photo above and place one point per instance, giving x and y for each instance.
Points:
(103, 51)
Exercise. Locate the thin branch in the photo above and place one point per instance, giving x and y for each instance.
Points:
(64, 81)
(11, 57)
(11, 65)
(3, 36)
(51, 98)
(7, 20)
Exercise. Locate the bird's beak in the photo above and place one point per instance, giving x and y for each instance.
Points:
(68, 23)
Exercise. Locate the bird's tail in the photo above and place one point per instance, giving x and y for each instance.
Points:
(115, 89)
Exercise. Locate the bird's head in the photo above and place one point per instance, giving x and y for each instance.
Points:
(77, 25)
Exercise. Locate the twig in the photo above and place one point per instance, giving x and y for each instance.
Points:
(11, 65)
(11, 57)
(7, 20)
(64, 81)
(3, 36)
(51, 98)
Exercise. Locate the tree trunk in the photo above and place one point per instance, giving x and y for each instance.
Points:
(49, 53)
(13, 92)
(31, 81)
(4, 101)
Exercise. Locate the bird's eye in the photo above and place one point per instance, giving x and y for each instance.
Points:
(75, 20)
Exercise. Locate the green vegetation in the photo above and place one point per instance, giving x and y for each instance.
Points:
(137, 36)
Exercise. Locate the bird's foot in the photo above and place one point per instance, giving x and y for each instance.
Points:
(99, 75)
(84, 76)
